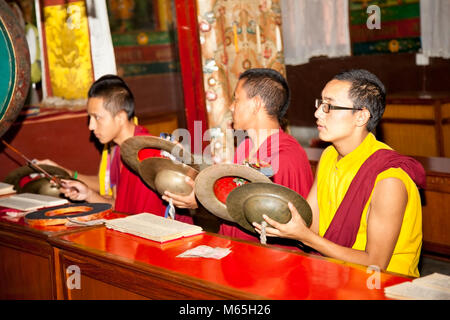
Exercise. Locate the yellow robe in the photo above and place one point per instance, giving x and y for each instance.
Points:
(334, 178)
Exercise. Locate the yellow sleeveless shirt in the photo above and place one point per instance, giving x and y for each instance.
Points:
(334, 178)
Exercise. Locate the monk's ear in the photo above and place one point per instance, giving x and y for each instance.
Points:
(122, 116)
(362, 117)
(258, 104)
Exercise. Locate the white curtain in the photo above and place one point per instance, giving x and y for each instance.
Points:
(313, 28)
(102, 51)
(435, 28)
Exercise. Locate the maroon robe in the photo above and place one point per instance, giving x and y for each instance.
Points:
(344, 227)
(132, 194)
(291, 169)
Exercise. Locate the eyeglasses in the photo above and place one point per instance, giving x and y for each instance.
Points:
(326, 107)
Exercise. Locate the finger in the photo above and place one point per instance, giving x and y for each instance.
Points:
(176, 197)
(180, 205)
(68, 183)
(295, 214)
(272, 222)
(293, 209)
(175, 202)
(257, 227)
(270, 232)
(190, 182)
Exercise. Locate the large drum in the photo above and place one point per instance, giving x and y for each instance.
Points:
(14, 67)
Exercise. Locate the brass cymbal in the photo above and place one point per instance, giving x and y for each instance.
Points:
(129, 150)
(163, 174)
(212, 193)
(247, 203)
(40, 185)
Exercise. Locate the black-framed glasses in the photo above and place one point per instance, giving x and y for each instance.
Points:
(326, 107)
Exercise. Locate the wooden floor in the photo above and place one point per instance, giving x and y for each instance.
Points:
(429, 265)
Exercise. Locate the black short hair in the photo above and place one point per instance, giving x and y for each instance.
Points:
(366, 91)
(271, 86)
(115, 94)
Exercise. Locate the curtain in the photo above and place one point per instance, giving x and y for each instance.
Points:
(435, 28)
(102, 50)
(313, 28)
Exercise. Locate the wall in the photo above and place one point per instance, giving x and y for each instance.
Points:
(66, 141)
(398, 72)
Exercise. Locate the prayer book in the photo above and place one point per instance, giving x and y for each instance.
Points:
(435, 286)
(153, 227)
(6, 188)
(31, 201)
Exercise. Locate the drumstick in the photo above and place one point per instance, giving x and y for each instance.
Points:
(35, 166)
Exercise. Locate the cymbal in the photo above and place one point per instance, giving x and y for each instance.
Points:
(214, 183)
(129, 150)
(247, 203)
(40, 185)
(163, 174)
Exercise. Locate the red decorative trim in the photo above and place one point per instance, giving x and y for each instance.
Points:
(191, 64)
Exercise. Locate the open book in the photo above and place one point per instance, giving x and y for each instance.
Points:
(31, 201)
(153, 227)
(6, 188)
(435, 286)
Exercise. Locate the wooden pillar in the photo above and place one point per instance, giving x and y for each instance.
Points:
(191, 65)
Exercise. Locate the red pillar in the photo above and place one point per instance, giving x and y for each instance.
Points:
(191, 65)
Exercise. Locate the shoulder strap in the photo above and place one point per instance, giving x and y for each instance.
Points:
(344, 227)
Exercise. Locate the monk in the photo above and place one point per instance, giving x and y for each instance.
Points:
(261, 100)
(111, 118)
(365, 200)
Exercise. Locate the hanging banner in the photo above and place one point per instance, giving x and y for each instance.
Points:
(384, 26)
(64, 30)
(143, 38)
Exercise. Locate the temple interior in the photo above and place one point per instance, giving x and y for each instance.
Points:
(182, 60)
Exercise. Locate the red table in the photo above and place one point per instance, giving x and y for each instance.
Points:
(27, 268)
(118, 265)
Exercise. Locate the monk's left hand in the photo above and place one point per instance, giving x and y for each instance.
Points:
(294, 229)
(180, 201)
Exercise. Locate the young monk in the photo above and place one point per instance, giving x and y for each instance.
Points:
(261, 100)
(111, 112)
(365, 202)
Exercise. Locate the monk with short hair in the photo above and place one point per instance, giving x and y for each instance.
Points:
(110, 109)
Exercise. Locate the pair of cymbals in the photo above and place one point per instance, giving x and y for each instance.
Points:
(232, 192)
(214, 183)
(160, 173)
(243, 195)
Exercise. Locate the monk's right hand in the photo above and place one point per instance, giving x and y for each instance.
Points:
(74, 190)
